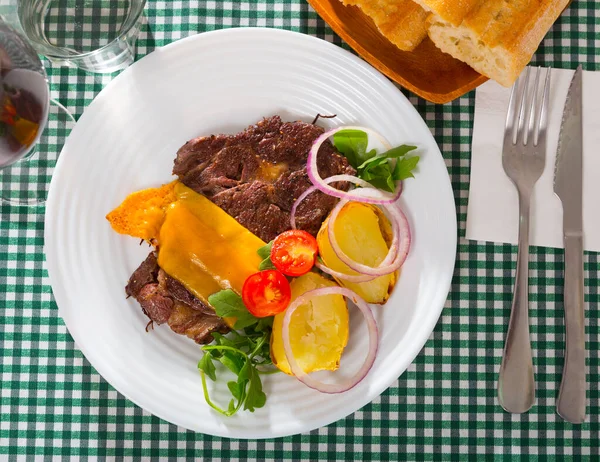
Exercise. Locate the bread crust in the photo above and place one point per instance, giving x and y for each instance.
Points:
(499, 37)
(452, 11)
(402, 22)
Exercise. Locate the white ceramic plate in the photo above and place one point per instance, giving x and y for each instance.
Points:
(221, 82)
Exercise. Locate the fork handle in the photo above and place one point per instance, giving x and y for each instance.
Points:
(516, 386)
(571, 400)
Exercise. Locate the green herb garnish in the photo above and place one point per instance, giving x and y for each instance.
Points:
(243, 352)
(228, 304)
(381, 170)
(265, 253)
(353, 144)
(404, 168)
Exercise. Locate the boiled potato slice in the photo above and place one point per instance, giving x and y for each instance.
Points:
(364, 233)
(318, 329)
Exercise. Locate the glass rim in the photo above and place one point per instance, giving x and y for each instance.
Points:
(50, 52)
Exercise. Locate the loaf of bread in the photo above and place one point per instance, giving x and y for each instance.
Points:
(402, 22)
(497, 38)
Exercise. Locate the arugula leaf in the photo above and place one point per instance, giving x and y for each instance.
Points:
(265, 253)
(242, 352)
(235, 340)
(232, 361)
(265, 250)
(380, 176)
(244, 374)
(228, 304)
(240, 323)
(372, 167)
(266, 264)
(236, 390)
(263, 323)
(255, 397)
(221, 339)
(404, 168)
(206, 365)
(372, 162)
(398, 151)
(231, 408)
(383, 183)
(353, 144)
(378, 172)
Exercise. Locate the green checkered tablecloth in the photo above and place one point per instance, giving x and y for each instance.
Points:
(53, 404)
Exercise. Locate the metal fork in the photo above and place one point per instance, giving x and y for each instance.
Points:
(523, 159)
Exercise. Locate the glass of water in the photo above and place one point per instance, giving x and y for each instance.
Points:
(94, 35)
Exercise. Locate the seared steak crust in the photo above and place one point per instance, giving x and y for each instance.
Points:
(256, 175)
(146, 273)
(155, 303)
(164, 299)
(196, 325)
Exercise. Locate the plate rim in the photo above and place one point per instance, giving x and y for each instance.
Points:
(417, 346)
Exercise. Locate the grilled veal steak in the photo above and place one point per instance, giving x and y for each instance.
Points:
(256, 175)
(164, 299)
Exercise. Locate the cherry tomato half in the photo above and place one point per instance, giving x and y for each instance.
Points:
(266, 293)
(294, 252)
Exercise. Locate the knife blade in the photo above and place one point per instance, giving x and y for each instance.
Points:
(568, 186)
(568, 170)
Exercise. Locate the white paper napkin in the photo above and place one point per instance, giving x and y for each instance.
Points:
(493, 211)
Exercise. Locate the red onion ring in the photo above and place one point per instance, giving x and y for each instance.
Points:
(365, 192)
(397, 252)
(364, 308)
(398, 249)
(324, 268)
(301, 197)
(344, 276)
(376, 196)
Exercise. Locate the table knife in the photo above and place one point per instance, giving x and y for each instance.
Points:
(568, 172)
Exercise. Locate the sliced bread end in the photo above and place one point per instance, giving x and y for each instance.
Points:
(464, 44)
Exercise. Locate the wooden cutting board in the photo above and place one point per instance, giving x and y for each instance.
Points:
(426, 71)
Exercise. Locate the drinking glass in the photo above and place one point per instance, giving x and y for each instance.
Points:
(33, 127)
(94, 35)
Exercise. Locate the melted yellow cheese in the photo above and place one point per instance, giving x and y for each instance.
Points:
(205, 248)
(269, 172)
(142, 213)
(199, 244)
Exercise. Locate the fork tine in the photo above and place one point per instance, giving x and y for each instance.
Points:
(542, 122)
(523, 107)
(511, 112)
(533, 109)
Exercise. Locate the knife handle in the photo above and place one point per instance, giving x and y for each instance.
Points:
(571, 401)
